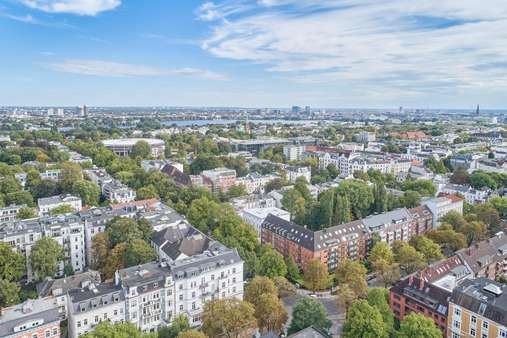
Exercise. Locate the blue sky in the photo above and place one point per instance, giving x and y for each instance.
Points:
(254, 53)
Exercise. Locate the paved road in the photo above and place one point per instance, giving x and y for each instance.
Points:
(335, 315)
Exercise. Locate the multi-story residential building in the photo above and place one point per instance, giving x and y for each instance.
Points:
(441, 206)
(471, 195)
(162, 217)
(294, 172)
(157, 165)
(487, 258)
(252, 201)
(423, 218)
(47, 204)
(256, 216)
(123, 147)
(365, 137)
(117, 192)
(51, 174)
(151, 295)
(293, 152)
(254, 182)
(478, 308)
(35, 318)
(93, 303)
(413, 294)
(221, 178)
(349, 240)
(8, 214)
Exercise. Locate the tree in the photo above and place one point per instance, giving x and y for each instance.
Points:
(9, 293)
(274, 184)
(342, 211)
(345, 296)
(353, 274)
(430, 250)
(411, 199)
(138, 252)
(270, 313)
(26, 213)
(19, 197)
(9, 185)
(271, 264)
(316, 276)
(100, 250)
(381, 250)
(141, 150)
(380, 198)
(447, 238)
(409, 259)
(106, 329)
(308, 312)
(284, 287)
(179, 325)
(416, 325)
(423, 187)
(88, 191)
(387, 273)
(122, 229)
(203, 214)
(114, 260)
(68, 270)
(460, 176)
(364, 320)
(289, 200)
(379, 298)
(500, 204)
(69, 174)
(147, 192)
(12, 263)
(190, 334)
(488, 215)
(61, 210)
(45, 255)
(292, 269)
(360, 196)
(480, 179)
(259, 286)
(230, 318)
(473, 231)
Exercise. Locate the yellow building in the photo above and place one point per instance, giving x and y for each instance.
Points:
(478, 309)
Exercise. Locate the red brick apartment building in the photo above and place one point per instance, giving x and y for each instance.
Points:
(350, 240)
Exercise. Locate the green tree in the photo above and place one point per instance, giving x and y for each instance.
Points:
(106, 329)
(88, 191)
(480, 179)
(100, 250)
(19, 197)
(379, 298)
(381, 250)
(416, 325)
(316, 276)
(387, 273)
(342, 211)
(364, 320)
(380, 198)
(308, 312)
(9, 293)
(430, 250)
(230, 318)
(179, 325)
(45, 255)
(26, 213)
(258, 286)
(61, 210)
(353, 274)
(289, 200)
(12, 263)
(69, 174)
(270, 314)
(271, 264)
(204, 214)
(9, 185)
(147, 192)
(292, 269)
(407, 256)
(460, 176)
(138, 252)
(122, 229)
(140, 150)
(360, 196)
(345, 296)
(500, 204)
(447, 238)
(411, 199)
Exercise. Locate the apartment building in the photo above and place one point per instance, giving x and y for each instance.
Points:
(255, 183)
(293, 152)
(293, 173)
(112, 189)
(49, 203)
(221, 179)
(256, 216)
(441, 206)
(349, 240)
(471, 195)
(35, 318)
(9, 213)
(123, 147)
(478, 308)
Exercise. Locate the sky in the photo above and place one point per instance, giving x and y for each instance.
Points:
(254, 53)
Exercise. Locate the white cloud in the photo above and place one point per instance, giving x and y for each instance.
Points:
(416, 46)
(115, 69)
(78, 7)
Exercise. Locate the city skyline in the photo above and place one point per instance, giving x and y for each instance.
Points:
(273, 53)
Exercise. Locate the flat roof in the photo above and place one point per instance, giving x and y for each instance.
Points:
(131, 142)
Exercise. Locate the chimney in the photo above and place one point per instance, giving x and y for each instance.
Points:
(421, 283)
(410, 280)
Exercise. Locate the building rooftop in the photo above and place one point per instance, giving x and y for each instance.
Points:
(129, 142)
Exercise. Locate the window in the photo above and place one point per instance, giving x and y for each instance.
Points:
(181, 286)
(85, 322)
(502, 333)
(105, 315)
(55, 331)
(96, 319)
(134, 303)
(455, 335)
(115, 312)
(169, 292)
(48, 333)
(473, 320)
(193, 294)
(472, 332)
(233, 270)
(457, 311)
(456, 324)
(78, 323)
(485, 325)
(181, 307)
(34, 335)
(212, 277)
(181, 297)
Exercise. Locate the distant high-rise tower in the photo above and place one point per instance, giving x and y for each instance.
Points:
(477, 112)
(83, 111)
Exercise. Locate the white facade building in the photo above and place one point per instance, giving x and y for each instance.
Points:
(256, 216)
(294, 172)
(441, 206)
(49, 203)
(293, 152)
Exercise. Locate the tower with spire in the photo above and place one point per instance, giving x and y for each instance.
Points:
(477, 112)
